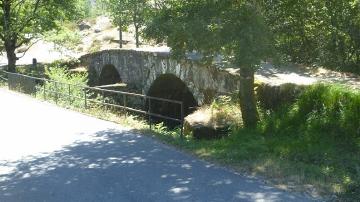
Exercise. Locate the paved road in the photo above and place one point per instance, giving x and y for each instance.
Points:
(52, 154)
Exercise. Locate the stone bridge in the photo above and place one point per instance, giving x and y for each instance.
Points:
(143, 69)
(156, 74)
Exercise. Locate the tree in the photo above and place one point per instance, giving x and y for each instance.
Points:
(23, 20)
(84, 9)
(233, 29)
(119, 10)
(126, 12)
(326, 32)
(139, 10)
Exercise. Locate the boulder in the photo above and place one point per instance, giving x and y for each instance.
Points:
(83, 25)
(202, 125)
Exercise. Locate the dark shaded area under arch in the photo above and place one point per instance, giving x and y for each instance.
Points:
(169, 86)
(109, 75)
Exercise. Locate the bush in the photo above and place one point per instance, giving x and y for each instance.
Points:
(329, 108)
(66, 63)
(95, 46)
(68, 37)
(322, 129)
(68, 84)
(214, 121)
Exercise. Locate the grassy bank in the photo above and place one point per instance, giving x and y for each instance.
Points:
(312, 145)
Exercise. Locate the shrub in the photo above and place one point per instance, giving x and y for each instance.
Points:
(95, 46)
(321, 129)
(68, 84)
(68, 36)
(214, 121)
(321, 107)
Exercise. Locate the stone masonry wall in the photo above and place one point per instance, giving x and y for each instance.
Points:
(141, 68)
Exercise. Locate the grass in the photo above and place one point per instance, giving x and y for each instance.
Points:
(2, 81)
(312, 145)
(95, 46)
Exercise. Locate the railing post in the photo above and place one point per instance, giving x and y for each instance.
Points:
(182, 121)
(149, 112)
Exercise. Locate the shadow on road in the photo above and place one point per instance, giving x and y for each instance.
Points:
(123, 166)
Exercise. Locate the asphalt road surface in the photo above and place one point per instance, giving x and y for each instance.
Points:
(52, 154)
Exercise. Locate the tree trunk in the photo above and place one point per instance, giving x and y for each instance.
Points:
(11, 55)
(120, 37)
(137, 36)
(247, 98)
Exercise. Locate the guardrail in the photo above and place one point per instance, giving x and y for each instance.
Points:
(86, 97)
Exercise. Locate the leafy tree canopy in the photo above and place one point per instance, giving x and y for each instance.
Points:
(234, 29)
(23, 20)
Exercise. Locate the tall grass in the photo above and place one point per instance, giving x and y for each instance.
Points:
(322, 130)
(311, 145)
(64, 88)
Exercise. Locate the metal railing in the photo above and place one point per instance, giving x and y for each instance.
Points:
(87, 98)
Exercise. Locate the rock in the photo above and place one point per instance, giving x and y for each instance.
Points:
(202, 125)
(203, 132)
(97, 30)
(83, 25)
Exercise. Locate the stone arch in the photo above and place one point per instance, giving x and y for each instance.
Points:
(109, 75)
(169, 86)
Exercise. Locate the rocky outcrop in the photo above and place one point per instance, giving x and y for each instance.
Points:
(211, 122)
(83, 25)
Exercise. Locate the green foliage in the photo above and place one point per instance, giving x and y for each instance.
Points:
(233, 29)
(69, 63)
(321, 128)
(65, 84)
(225, 111)
(3, 78)
(119, 11)
(324, 31)
(23, 20)
(329, 108)
(67, 36)
(127, 12)
(84, 8)
(95, 46)
(98, 7)
(314, 141)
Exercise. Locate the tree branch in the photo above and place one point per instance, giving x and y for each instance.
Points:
(31, 17)
(28, 49)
